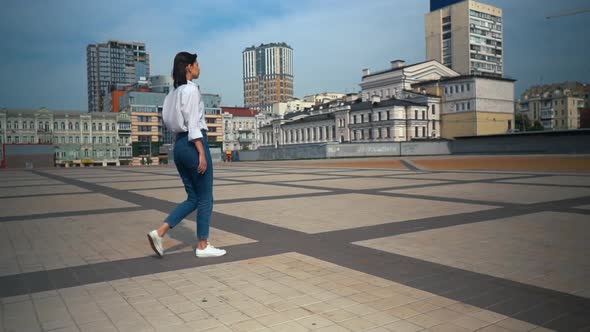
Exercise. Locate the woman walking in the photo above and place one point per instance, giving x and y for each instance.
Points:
(184, 114)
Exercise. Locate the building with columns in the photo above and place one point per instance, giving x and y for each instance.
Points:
(98, 139)
(375, 120)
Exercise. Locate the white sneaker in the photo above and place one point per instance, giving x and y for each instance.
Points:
(156, 242)
(210, 251)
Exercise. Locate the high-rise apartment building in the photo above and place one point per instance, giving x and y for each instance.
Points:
(113, 63)
(466, 36)
(268, 75)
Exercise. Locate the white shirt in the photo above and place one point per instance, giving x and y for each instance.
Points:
(184, 111)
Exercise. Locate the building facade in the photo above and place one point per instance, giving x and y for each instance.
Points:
(241, 128)
(111, 63)
(466, 36)
(212, 103)
(267, 75)
(357, 121)
(555, 106)
(324, 97)
(280, 109)
(79, 139)
(472, 105)
(392, 82)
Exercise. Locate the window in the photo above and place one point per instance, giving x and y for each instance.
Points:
(423, 131)
(423, 115)
(70, 126)
(415, 114)
(77, 139)
(446, 91)
(85, 126)
(93, 140)
(24, 125)
(433, 109)
(108, 140)
(362, 118)
(467, 86)
(85, 139)
(457, 107)
(55, 126)
(433, 125)
(77, 126)
(71, 140)
(9, 125)
(388, 132)
(379, 116)
(100, 126)
(93, 126)
(415, 131)
(388, 115)
(32, 125)
(63, 126)
(113, 128)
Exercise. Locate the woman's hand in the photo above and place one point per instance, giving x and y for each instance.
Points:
(202, 164)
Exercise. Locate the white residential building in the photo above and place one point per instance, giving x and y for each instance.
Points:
(241, 128)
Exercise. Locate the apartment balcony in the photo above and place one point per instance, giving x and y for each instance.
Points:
(245, 130)
(547, 113)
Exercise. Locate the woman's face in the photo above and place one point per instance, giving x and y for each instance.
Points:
(194, 69)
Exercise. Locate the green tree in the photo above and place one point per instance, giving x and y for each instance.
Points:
(537, 126)
(522, 122)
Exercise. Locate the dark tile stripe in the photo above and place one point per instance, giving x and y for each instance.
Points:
(40, 281)
(525, 302)
(68, 214)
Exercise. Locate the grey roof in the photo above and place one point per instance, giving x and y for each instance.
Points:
(291, 115)
(313, 118)
(365, 105)
(32, 112)
(462, 77)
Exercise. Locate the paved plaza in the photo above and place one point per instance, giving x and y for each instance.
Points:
(312, 246)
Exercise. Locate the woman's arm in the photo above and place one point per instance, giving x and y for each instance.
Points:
(202, 157)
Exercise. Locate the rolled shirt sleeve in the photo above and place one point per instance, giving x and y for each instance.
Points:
(192, 111)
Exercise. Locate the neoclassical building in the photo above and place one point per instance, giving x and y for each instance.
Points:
(355, 121)
(78, 138)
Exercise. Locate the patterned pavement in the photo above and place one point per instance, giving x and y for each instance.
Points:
(310, 248)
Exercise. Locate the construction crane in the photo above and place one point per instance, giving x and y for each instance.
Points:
(568, 13)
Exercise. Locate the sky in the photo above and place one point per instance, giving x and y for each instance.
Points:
(43, 48)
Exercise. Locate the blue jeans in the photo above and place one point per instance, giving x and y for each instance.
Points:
(199, 187)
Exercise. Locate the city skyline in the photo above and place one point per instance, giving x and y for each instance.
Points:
(49, 50)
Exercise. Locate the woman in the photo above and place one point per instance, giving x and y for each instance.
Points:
(184, 114)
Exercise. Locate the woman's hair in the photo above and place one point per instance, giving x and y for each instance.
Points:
(181, 60)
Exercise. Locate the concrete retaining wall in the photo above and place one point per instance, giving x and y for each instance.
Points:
(555, 142)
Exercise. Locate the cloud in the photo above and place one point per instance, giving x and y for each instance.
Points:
(43, 53)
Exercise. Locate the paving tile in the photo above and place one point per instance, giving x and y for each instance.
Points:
(59, 204)
(403, 326)
(499, 192)
(242, 191)
(324, 213)
(540, 246)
